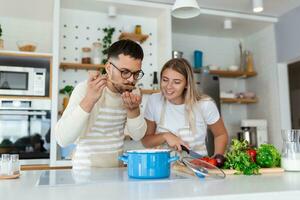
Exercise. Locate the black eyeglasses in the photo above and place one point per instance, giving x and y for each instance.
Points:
(126, 74)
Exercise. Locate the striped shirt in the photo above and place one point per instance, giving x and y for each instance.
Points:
(100, 135)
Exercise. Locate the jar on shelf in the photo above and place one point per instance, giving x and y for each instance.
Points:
(249, 61)
(138, 29)
(97, 53)
(86, 55)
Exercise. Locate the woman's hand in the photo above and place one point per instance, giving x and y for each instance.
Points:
(174, 141)
(95, 85)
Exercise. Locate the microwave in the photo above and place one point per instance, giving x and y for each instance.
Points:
(22, 81)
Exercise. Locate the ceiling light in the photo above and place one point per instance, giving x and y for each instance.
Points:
(257, 5)
(185, 9)
(227, 24)
(112, 11)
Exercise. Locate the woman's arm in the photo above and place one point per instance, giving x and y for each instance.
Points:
(220, 136)
(151, 139)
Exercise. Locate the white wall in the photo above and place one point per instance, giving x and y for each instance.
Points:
(216, 51)
(20, 29)
(90, 25)
(287, 36)
(265, 84)
(222, 52)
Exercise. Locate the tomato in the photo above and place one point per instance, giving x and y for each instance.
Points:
(252, 154)
(212, 161)
(196, 162)
(206, 159)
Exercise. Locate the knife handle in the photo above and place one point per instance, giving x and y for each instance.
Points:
(185, 149)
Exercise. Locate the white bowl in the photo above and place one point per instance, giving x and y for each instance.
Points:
(233, 68)
(213, 67)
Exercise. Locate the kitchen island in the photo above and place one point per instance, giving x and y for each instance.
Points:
(114, 184)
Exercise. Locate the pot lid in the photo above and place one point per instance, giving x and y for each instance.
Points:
(203, 169)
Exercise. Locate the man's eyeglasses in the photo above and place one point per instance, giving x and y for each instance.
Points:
(126, 74)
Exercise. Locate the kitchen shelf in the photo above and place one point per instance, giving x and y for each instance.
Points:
(81, 66)
(24, 97)
(238, 100)
(132, 36)
(232, 74)
(149, 91)
(25, 54)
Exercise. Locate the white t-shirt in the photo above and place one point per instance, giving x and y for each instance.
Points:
(206, 113)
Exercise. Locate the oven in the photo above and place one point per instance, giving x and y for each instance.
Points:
(25, 128)
(22, 81)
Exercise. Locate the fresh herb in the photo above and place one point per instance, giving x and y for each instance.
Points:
(268, 156)
(106, 42)
(237, 158)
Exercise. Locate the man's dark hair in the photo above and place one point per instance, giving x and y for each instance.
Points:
(126, 47)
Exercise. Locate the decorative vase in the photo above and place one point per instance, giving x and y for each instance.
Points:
(65, 102)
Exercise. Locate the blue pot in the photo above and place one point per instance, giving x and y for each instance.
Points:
(148, 163)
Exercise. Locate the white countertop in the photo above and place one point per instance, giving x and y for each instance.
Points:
(114, 184)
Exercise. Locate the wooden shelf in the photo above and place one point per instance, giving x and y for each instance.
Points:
(149, 91)
(43, 167)
(132, 36)
(25, 54)
(238, 100)
(232, 74)
(81, 66)
(24, 97)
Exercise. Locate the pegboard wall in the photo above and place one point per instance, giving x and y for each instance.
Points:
(80, 28)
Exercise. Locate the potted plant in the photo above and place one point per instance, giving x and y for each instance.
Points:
(106, 41)
(67, 90)
(1, 40)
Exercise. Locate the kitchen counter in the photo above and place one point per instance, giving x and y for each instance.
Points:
(114, 184)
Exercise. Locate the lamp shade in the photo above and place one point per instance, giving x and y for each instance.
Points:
(227, 24)
(185, 9)
(258, 6)
(112, 11)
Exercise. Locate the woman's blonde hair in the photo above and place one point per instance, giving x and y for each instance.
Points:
(191, 94)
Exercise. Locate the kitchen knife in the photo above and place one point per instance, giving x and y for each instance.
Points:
(191, 152)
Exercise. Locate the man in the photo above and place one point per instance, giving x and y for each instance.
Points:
(100, 107)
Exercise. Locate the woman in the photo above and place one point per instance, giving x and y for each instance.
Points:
(179, 115)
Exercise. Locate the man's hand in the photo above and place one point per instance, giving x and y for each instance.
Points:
(95, 85)
(132, 103)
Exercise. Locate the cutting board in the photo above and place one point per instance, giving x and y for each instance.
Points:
(184, 169)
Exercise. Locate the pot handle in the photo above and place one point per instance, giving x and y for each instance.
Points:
(124, 158)
(172, 159)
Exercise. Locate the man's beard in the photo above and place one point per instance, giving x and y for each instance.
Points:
(122, 87)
